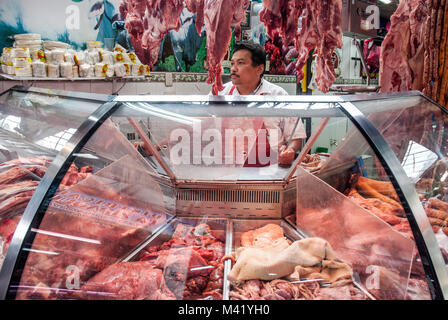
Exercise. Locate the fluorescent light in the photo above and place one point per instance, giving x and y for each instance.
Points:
(386, 1)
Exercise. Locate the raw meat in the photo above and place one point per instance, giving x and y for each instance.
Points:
(147, 22)
(406, 61)
(262, 237)
(219, 17)
(321, 29)
(128, 281)
(340, 293)
(21, 173)
(197, 6)
(191, 262)
(273, 290)
(282, 16)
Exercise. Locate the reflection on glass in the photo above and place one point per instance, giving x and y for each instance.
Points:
(417, 160)
(10, 123)
(58, 140)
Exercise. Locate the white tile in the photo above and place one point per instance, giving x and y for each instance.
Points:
(9, 84)
(104, 87)
(78, 86)
(125, 88)
(54, 85)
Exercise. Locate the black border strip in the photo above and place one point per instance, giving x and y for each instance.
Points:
(16, 257)
(432, 260)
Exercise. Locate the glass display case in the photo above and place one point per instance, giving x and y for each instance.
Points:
(189, 197)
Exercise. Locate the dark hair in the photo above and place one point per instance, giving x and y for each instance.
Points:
(258, 54)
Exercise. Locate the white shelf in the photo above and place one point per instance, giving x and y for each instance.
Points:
(15, 78)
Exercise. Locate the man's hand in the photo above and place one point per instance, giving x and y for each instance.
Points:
(286, 155)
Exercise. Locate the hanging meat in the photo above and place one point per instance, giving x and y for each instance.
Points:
(219, 17)
(413, 52)
(282, 16)
(321, 29)
(396, 73)
(147, 22)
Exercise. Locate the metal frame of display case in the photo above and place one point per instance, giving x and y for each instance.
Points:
(430, 254)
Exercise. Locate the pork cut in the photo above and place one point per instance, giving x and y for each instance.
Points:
(128, 281)
(282, 16)
(406, 49)
(219, 17)
(147, 22)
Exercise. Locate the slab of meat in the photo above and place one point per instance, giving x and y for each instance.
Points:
(10, 190)
(41, 161)
(197, 6)
(281, 16)
(262, 237)
(219, 17)
(16, 174)
(128, 281)
(15, 197)
(406, 54)
(147, 22)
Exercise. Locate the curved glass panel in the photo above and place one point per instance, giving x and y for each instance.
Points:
(34, 126)
(416, 130)
(107, 204)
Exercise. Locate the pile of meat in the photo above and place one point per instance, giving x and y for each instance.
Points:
(268, 266)
(19, 179)
(437, 212)
(321, 30)
(380, 198)
(313, 162)
(414, 52)
(186, 267)
(87, 227)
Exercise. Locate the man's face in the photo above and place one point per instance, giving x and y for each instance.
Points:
(242, 71)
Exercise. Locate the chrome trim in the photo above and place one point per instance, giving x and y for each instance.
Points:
(432, 260)
(148, 240)
(35, 211)
(227, 263)
(66, 94)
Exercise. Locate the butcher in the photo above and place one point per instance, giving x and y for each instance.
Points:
(246, 72)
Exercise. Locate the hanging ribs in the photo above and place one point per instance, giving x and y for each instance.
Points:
(147, 22)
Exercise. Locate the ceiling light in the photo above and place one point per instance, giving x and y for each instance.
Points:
(386, 1)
